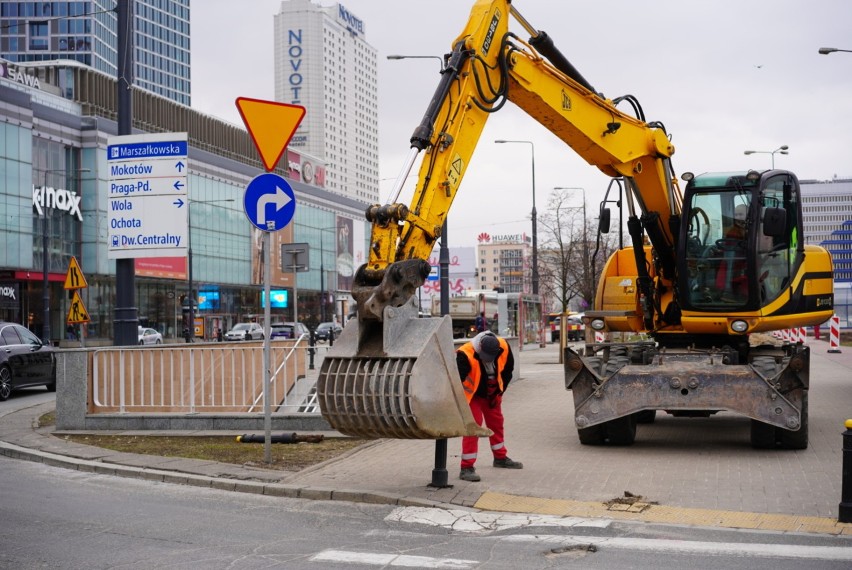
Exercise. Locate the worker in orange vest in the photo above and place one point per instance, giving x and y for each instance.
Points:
(485, 365)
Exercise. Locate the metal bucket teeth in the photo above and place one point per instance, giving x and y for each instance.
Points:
(403, 385)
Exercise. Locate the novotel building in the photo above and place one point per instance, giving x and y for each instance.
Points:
(56, 121)
(323, 61)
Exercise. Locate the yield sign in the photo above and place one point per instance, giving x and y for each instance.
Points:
(271, 126)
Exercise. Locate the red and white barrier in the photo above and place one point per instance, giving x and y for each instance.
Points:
(803, 335)
(834, 334)
(600, 337)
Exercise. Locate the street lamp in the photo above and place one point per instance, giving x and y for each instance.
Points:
(192, 298)
(45, 256)
(439, 58)
(534, 217)
(780, 150)
(826, 51)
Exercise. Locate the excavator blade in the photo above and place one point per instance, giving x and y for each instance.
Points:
(395, 378)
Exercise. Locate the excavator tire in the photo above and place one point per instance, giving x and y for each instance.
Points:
(618, 432)
(646, 416)
(766, 436)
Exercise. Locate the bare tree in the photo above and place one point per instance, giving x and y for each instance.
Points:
(569, 236)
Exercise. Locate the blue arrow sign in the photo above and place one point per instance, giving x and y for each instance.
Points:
(269, 202)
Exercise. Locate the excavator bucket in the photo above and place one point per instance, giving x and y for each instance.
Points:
(395, 378)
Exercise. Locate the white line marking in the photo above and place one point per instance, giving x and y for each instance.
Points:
(694, 547)
(377, 559)
(476, 522)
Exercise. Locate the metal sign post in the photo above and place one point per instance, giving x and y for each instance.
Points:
(267, 376)
(270, 204)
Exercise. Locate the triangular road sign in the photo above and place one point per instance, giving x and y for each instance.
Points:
(77, 312)
(74, 278)
(271, 126)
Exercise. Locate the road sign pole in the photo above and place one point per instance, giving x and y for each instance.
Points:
(267, 315)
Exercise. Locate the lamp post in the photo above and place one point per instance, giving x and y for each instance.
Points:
(534, 217)
(192, 298)
(826, 51)
(45, 255)
(440, 476)
(780, 150)
(439, 58)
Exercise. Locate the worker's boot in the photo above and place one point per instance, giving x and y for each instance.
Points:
(469, 474)
(507, 463)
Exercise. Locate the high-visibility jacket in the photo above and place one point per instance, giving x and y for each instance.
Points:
(471, 382)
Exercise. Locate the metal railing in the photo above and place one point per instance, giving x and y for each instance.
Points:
(204, 378)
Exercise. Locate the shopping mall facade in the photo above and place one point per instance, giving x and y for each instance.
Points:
(55, 123)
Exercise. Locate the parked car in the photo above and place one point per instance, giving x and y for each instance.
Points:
(149, 336)
(24, 360)
(326, 330)
(245, 331)
(285, 330)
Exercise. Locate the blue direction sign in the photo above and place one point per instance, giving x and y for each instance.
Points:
(269, 202)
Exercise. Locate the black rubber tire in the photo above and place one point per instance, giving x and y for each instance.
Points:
(618, 432)
(762, 435)
(646, 416)
(621, 431)
(595, 435)
(798, 439)
(595, 363)
(5, 383)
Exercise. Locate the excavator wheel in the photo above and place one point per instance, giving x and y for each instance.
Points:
(765, 436)
(620, 432)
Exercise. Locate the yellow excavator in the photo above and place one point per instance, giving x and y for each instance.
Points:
(693, 290)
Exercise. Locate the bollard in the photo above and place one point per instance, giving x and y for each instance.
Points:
(834, 334)
(844, 513)
(311, 350)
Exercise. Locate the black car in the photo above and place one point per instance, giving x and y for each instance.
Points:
(24, 360)
(324, 330)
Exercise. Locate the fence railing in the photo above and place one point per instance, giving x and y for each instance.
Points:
(204, 378)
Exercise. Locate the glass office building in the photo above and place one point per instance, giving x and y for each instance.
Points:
(54, 181)
(85, 32)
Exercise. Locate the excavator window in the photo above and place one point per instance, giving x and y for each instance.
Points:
(719, 234)
(777, 251)
(742, 243)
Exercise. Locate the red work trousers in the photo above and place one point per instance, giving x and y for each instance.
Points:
(493, 417)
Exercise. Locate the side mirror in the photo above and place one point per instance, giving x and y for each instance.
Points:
(603, 224)
(774, 222)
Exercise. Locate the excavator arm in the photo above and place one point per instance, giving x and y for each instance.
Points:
(488, 66)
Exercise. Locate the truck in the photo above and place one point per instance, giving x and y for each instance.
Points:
(700, 299)
(463, 312)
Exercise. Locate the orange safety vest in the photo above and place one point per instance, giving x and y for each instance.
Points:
(471, 383)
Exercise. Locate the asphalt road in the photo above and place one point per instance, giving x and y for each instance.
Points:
(58, 518)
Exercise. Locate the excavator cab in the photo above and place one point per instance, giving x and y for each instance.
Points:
(741, 245)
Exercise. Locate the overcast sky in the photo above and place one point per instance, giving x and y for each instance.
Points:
(723, 76)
